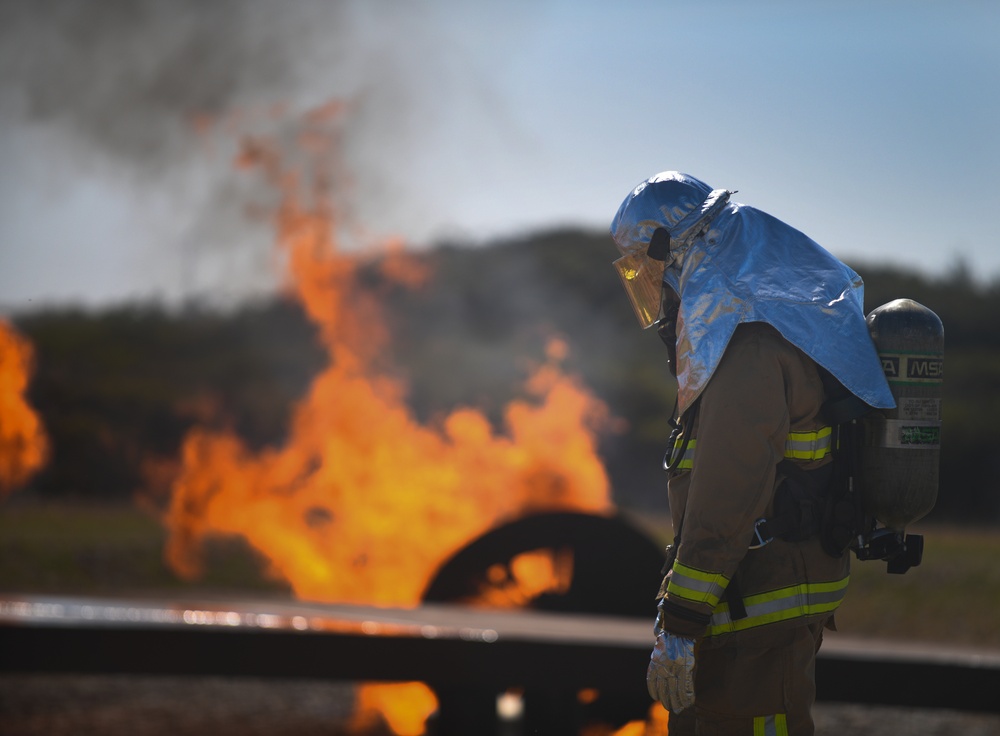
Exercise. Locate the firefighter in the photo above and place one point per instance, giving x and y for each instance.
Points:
(763, 326)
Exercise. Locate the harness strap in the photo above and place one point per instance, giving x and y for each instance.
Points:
(799, 503)
(734, 599)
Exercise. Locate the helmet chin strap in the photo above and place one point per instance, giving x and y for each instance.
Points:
(666, 325)
(666, 329)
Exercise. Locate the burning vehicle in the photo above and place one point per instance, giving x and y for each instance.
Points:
(366, 504)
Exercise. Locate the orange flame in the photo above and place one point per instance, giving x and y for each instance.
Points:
(654, 725)
(529, 575)
(403, 706)
(363, 502)
(23, 444)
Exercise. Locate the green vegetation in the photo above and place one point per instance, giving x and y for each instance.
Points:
(951, 598)
(106, 549)
(118, 388)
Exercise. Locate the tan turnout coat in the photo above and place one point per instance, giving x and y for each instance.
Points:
(763, 389)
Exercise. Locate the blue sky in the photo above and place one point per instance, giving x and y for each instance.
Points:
(871, 126)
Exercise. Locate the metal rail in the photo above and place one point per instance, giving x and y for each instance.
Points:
(453, 649)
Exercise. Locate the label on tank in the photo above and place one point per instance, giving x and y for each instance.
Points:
(912, 368)
(920, 408)
(906, 434)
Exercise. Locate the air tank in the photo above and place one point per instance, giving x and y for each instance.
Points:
(902, 448)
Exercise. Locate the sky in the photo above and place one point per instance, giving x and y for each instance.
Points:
(870, 125)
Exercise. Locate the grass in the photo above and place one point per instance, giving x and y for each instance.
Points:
(105, 550)
(953, 597)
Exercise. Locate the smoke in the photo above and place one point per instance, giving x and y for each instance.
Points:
(127, 77)
(132, 79)
(109, 102)
(113, 98)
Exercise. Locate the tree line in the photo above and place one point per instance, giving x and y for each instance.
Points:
(118, 388)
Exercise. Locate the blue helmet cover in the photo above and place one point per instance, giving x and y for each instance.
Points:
(731, 263)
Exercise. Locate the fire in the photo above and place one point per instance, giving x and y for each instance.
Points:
(363, 502)
(655, 724)
(23, 444)
(530, 575)
(404, 707)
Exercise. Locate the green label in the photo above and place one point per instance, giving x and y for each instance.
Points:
(920, 435)
(910, 435)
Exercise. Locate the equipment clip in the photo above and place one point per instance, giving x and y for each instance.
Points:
(759, 539)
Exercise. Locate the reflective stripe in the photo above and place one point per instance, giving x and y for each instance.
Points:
(776, 725)
(695, 585)
(809, 445)
(687, 459)
(795, 601)
(798, 446)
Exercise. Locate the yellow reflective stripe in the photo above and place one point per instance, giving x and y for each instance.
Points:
(809, 445)
(696, 585)
(795, 601)
(798, 446)
(687, 459)
(776, 725)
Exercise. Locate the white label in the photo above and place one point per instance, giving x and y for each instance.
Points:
(920, 408)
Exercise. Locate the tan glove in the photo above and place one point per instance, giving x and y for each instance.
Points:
(670, 675)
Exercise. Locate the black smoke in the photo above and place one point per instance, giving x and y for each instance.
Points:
(127, 78)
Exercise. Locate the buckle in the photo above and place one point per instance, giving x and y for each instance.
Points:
(759, 539)
(674, 453)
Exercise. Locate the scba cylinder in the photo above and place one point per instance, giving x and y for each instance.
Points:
(902, 448)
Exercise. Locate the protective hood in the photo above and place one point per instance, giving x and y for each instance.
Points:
(731, 263)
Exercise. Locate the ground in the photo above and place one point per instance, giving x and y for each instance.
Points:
(68, 705)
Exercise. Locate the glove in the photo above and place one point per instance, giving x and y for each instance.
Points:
(670, 675)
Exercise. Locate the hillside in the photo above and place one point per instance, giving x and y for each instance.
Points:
(118, 388)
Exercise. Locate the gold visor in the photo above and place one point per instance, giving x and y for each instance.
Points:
(642, 278)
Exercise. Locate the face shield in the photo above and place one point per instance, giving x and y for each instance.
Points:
(641, 274)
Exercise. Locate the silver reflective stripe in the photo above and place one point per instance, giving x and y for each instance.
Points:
(696, 585)
(686, 460)
(809, 445)
(795, 601)
(776, 725)
(804, 446)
